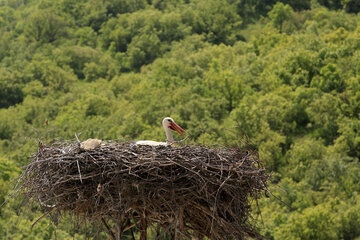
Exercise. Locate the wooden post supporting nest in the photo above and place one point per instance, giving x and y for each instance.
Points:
(179, 227)
(143, 229)
(118, 231)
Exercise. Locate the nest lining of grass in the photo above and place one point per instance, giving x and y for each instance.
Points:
(188, 191)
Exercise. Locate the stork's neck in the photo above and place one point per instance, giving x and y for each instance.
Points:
(169, 136)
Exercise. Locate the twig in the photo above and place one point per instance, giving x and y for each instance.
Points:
(165, 230)
(108, 228)
(78, 166)
(132, 234)
(41, 217)
(215, 207)
(131, 226)
(77, 139)
(55, 233)
(279, 199)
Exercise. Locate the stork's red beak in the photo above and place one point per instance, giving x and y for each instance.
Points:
(177, 128)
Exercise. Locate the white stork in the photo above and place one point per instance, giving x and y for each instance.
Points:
(168, 124)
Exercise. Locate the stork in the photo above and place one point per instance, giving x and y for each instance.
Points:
(168, 124)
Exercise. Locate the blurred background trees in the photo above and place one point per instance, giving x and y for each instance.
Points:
(284, 73)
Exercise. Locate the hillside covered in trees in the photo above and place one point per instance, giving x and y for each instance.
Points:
(285, 73)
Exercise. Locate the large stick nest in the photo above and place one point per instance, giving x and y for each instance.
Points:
(193, 190)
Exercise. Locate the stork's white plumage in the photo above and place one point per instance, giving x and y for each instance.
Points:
(168, 124)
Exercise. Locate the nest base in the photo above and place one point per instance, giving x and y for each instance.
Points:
(190, 191)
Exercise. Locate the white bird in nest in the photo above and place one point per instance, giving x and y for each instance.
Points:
(168, 124)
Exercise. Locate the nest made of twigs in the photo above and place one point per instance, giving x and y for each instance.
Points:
(193, 190)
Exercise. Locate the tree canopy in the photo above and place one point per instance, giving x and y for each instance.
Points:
(284, 73)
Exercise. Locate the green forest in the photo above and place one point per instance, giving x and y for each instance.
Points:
(283, 73)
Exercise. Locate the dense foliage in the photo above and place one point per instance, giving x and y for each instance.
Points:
(283, 72)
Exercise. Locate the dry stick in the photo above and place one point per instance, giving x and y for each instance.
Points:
(132, 234)
(179, 224)
(55, 234)
(41, 217)
(216, 197)
(181, 219)
(176, 230)
(130, 226)
(131, 229)
(77, 139)
(97, 232)
(77, 162)
(165, 230)
(17, 186)
(268, 191)
(108, 228)
(158, 229)
(180, 141)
